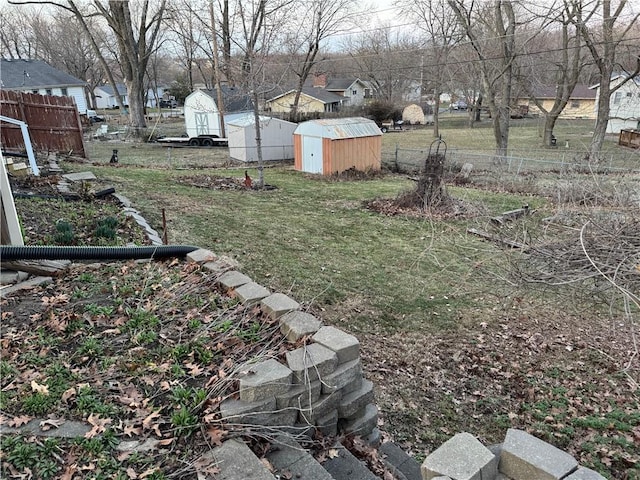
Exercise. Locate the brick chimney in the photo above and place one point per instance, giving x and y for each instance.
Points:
(319, 80)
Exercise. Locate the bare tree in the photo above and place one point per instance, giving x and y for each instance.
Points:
(316, 20)
(605, 28)
(436, 19)
(496, 61)
(565, 61)
(135, 45)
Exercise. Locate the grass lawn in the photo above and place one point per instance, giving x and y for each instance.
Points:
(450, 338)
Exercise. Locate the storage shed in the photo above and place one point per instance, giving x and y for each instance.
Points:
(334, 145)
(201, 113)
(276, 138)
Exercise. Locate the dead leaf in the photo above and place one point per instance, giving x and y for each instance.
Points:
(194, 370)
(333, 453)
(166, 441)
(149, 472)
(130, 430)
(267, 464)
(146, 423)
(216, 435)
(69, 471)
(131, 473)
(39, 388)
(99, 425)
(51, 423)
(71, 392)
(18, 421)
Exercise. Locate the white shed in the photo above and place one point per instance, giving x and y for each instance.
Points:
(276, 138)
(201, 113)
(334, 145)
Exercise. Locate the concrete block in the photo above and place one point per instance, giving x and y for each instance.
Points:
(278, 304)
(300, 396)
(325, 405)
(345, 466)
(232, 279)
(374, 438)
(328, 425)
(311, 362)
(155, 240)
(401, 463)
(346, 346)
(353, 402)
(462, 457)
(343, 375)
(525, 456)
(265, 380)
(584, 473)
(221, 265)
(251, 293)
(124, 201)
(287, 456)
(236, 461)
(80, 176)
(362, 424)
(201, 255)
(296, 324)
(232, 408)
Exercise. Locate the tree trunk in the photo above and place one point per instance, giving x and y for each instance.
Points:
(436, 115)
(549, 125)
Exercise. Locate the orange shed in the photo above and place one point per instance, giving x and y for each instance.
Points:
(333, 145)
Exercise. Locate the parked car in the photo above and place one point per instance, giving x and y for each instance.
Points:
(168, 104)
(93, 116)
(459, 105)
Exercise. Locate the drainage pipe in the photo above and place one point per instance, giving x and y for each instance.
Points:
(14, 252)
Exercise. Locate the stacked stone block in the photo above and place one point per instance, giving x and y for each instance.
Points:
(320, 385)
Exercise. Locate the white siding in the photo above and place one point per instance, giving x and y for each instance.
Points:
(276, 138)
(199, 104)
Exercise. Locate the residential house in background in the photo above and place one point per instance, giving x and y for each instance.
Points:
(352, 89)
(201, 113)
(582, 102)
(322, 95)
(312, 100)
(106, 97)
(36, 76)
(624, 104)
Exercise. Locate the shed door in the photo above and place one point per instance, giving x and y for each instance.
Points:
(202, 123)
(312, 154)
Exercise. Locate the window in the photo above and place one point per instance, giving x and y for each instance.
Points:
(65, 93)
(354, 92)
(575, 104)
(629, 94)
(616, 98)
(34, 91)
(49, 91)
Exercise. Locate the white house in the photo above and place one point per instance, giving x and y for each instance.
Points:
(36, 76)
(276, 138)
(106, 97)
(201, 113)
(624, 104)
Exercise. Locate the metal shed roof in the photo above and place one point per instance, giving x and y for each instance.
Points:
(339, 128)
(249, 120)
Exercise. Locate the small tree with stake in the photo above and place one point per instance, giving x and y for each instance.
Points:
(430, 191)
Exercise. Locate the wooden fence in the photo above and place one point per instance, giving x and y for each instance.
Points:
(629, 138)
(54, 123)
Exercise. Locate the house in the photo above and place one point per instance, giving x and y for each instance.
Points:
(155, 96)
(329, 146)
(201, 113)
(312, 100)
(106, 97)
(320, 95)
(624, 104)
(353, 89)
(276, 138)
(582, 102)
(36, 76)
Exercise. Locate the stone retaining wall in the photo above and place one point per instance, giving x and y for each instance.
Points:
(319, 386)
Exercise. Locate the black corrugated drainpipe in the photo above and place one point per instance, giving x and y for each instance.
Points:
(15, 252)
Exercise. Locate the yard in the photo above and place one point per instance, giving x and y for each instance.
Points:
(453, 336)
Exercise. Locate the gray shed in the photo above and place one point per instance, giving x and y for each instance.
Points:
(276, 138)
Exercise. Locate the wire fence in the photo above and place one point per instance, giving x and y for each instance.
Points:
(407, 160)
